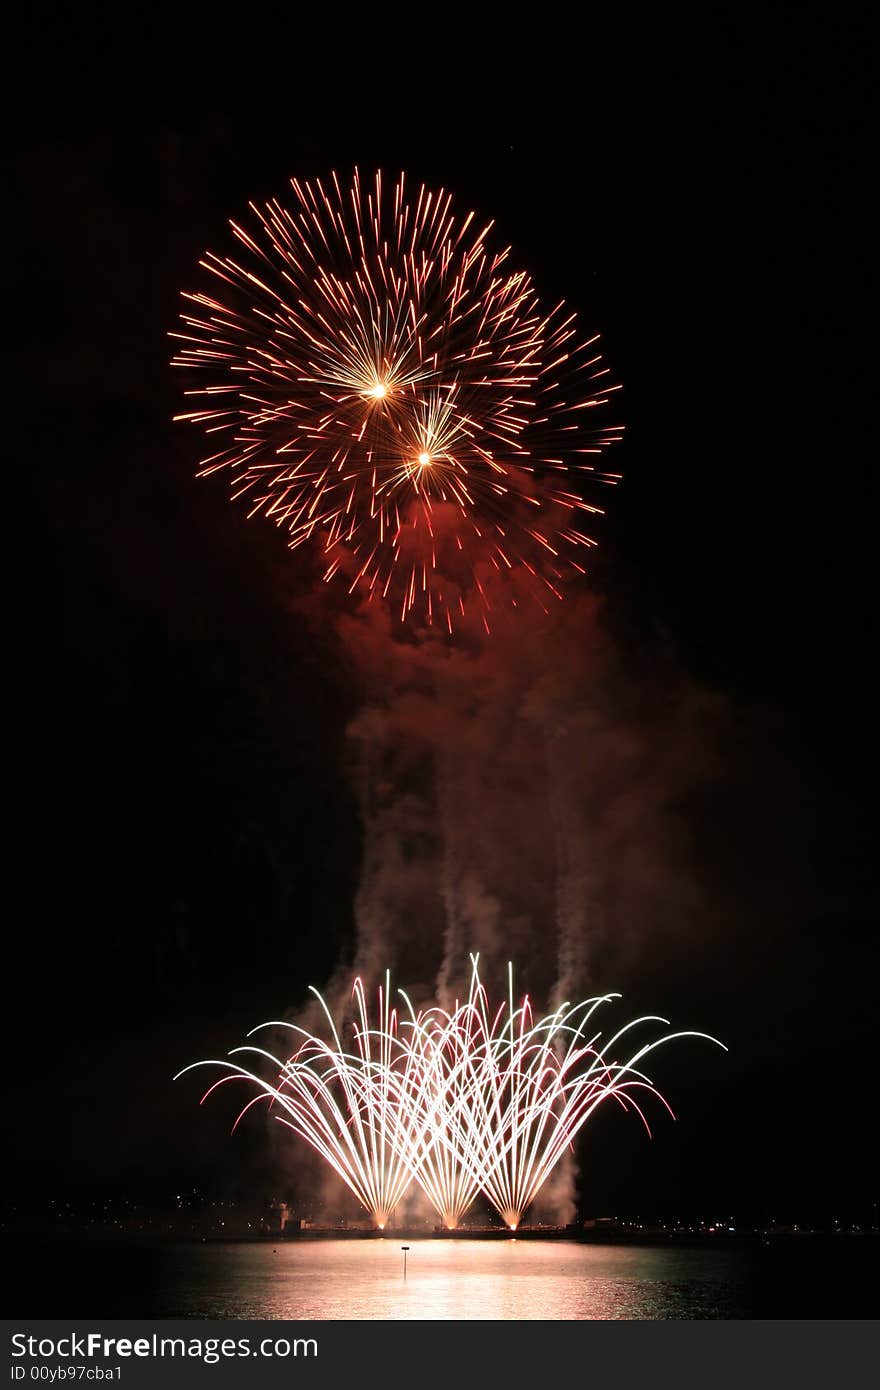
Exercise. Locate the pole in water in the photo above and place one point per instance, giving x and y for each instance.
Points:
(404, 1248)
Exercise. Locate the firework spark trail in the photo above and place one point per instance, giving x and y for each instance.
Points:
(348, 1105)
(374, 377)
(464, 1102)
(508, 1094)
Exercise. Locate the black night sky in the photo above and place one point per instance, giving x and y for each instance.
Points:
(185, 834)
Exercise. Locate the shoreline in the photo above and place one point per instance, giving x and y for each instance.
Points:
(274, 1239)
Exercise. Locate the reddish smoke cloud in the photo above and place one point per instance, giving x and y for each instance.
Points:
(519, 796)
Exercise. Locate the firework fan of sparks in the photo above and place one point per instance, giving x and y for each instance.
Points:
(472, 1101)
(376, 378)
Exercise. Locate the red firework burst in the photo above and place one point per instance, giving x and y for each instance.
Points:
(377, 380)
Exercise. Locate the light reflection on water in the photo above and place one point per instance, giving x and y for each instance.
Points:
(450, 1279)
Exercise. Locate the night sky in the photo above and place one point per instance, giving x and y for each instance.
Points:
(186, 838)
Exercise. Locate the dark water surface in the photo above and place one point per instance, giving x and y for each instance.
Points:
(807, 1277)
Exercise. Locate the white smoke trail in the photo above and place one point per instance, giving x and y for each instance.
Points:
(576, 909)
(455, 946)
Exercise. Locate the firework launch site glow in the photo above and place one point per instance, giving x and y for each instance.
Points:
(376, 378)
(480, 1100)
